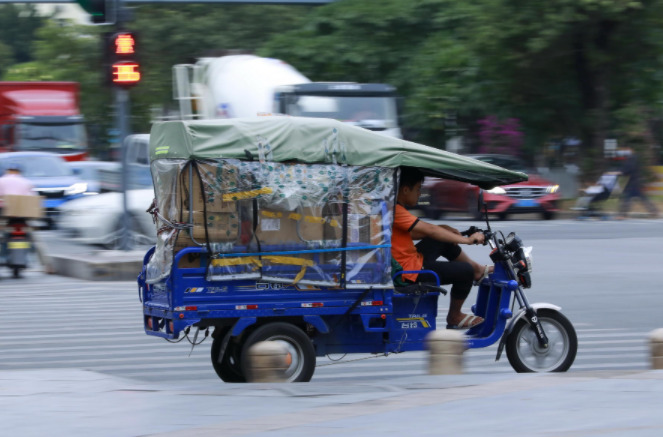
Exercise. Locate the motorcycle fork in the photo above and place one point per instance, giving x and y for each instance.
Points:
(532, 319)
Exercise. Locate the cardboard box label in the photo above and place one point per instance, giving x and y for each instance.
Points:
(270, 224)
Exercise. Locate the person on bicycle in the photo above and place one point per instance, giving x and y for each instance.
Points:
(459, 270)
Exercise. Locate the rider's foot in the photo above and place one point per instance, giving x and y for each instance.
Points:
(463, 321)
(481, 272)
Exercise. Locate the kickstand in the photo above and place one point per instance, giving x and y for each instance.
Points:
(193, 343)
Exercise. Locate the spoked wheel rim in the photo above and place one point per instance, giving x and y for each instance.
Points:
(536, 357)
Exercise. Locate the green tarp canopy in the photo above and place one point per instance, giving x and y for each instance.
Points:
(314, 140)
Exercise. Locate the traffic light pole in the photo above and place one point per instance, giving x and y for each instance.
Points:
(123, 114)
(122, 111)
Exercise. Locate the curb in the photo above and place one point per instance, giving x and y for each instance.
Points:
(93, 265)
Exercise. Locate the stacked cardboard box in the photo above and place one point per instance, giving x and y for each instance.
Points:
(22, 206)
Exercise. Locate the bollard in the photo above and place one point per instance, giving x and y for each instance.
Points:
(656, 342)
(268, 361)
(446, 349)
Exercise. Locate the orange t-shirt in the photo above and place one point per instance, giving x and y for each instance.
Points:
(402, 246)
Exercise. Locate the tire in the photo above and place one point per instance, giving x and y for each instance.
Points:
(16, 272)
(502, 216)
(525, 354)
(229, 369)
(548, 215)
(300, 348)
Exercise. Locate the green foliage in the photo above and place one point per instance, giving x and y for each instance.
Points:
(179, 34)
(562, 67)
(586, 68)
(18, 24)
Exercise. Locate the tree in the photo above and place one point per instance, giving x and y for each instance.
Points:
(18, 24)
(181, 33)
(561, 67)
(166, 36)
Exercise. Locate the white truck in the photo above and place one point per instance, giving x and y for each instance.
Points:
(247, 85)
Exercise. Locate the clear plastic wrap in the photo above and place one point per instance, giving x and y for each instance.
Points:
(280, 222)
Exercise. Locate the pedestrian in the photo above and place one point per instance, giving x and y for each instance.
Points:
(634, 188)
(460, 271)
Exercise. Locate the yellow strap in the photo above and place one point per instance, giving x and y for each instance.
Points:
(271, 214)
(313, 219)
(225, 262)
(276, 259)
(246, 194)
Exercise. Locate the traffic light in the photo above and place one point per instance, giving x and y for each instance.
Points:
(123, 68)
(101, 11)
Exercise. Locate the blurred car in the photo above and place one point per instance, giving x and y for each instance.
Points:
(138, 164)
(92, 172)
(53, 179)
(98, 219)
(536, 195)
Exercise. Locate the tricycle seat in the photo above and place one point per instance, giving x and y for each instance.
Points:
(417, 288)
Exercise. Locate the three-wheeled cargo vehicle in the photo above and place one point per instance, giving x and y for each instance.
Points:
(279, 228)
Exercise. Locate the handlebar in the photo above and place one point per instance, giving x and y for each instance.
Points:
(473, 230)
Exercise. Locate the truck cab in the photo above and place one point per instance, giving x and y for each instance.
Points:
(372, 106)
(42, 116)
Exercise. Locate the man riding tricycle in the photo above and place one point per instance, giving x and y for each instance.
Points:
(280, 228)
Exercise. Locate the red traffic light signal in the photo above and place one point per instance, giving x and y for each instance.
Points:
(124, 68)
(125, 73)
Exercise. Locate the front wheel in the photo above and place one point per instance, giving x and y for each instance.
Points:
(301, 354)
(526, 355)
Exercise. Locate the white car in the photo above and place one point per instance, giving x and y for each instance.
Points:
(98, 219)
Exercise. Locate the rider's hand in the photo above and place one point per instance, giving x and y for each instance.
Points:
(476, 238)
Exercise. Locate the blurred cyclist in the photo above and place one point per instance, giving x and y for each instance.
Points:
(13, 183)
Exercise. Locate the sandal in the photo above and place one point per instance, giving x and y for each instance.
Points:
(467, 322)
(486, 272)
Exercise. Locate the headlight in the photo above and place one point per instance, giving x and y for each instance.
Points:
(552, 189)
(77, 188)
(522, 264)
(496, 190)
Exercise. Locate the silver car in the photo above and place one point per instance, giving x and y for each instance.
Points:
(98, 219)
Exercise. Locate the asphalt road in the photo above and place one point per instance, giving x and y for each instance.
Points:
(604, 275)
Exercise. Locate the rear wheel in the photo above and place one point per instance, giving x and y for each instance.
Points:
(228, 368)
(548, 215)
(17, 272)
(301, 353)
(526, 355)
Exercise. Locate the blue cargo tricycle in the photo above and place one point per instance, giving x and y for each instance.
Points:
(279, 229)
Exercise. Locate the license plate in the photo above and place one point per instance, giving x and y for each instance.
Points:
(18, 245)
(527, 203)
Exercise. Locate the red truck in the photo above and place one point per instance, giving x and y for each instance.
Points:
(42, 116)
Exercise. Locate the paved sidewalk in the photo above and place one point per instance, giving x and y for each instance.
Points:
(74, 402)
